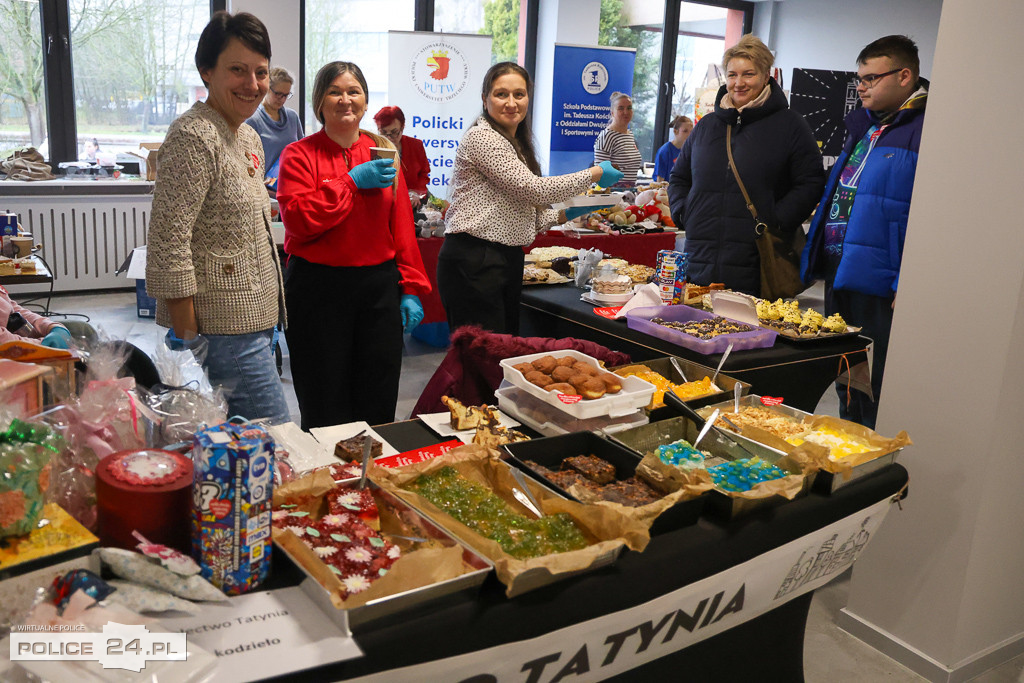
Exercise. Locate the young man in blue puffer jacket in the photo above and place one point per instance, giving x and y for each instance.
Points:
(857, 234)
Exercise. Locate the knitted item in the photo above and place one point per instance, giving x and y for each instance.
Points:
(209, 234)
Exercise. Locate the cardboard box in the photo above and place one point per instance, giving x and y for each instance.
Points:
(22, 385)
(147, 154)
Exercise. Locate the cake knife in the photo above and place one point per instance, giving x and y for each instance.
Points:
(367, 447)
(707, 427)
(725, 355)
(678, 367)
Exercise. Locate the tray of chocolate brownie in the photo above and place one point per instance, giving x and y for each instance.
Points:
(585, 467)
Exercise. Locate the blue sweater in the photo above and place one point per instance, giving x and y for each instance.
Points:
(275, 135)
(664, 160)
(779, 162)
(877, 230)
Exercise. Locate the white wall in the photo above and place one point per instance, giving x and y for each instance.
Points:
(939, 587)
(574, 22)
(282, 20)
(828, 34)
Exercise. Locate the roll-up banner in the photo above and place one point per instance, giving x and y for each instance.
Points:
(435, 78)
(584, 79)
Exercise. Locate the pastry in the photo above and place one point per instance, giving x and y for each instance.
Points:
(469, 417)
(524, 367)
(352, 449)
(588, 387)
(566, 361)
(612, 384)
(585, 368)
(563, 387)
(562, 373)
(493, 436)
(539, 378)
(593, 468)
(545, 364)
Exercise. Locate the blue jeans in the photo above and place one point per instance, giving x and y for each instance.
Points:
(243, 367)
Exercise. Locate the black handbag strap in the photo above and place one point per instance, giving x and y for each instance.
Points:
(759, 226)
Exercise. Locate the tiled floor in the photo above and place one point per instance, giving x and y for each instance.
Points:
(830, 654)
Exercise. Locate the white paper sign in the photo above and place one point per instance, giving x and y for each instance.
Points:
(435, 78)
(265, 634)
(615, 643)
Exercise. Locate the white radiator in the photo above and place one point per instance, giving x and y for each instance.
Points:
(84, 238)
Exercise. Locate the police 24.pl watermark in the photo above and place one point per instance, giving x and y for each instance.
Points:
(119, 646)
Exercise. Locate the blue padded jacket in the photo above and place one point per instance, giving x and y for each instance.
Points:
(877, 230)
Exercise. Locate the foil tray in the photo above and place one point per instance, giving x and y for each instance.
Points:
(826, 482)
(357, 619)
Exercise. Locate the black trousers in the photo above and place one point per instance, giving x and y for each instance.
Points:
(480, 283)
(345, 340)
(874, 315)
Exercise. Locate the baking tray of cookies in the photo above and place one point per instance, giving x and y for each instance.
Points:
(640, 319)
(386, 609)
(634, 394)
(552, 452)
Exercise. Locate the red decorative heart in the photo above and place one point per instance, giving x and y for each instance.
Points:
(771, 400)
(570, 398)
(220, 507)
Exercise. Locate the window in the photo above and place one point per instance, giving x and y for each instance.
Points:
(496, 18)
(353, 31)
(22, 87)
(701, 42)
(134, 69)
(640, 26)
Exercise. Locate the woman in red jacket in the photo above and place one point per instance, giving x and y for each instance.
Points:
(415, 167)
(354, 271)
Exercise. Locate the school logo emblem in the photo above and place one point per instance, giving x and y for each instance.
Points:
(594, 78)
(439, 71)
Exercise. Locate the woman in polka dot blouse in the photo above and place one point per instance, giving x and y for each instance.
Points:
(499, 203)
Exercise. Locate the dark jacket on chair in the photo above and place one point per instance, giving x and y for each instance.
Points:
(779, 162)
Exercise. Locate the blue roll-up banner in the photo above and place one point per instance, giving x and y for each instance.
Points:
(584, 79)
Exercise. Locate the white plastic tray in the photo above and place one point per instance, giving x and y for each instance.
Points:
(549, 421)
(590, 200)
(635, 393)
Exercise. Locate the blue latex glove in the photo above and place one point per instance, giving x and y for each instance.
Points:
(58, 338)
(609, 174)
(374, 174)
(412, 312)
(576, 212)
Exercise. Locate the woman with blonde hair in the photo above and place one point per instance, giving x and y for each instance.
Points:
(354, 272)
(617, 144)
(776, 157)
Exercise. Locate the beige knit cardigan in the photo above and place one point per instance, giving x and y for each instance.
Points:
(209, 232)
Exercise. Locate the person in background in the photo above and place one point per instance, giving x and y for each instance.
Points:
(89, 149)
(21, 324)
(617, 144)
(415, 167)
(776, 157)
(212, 265)
(498, 205)
(354, 271)
(857, 234)
(666, 157)
(277, 125)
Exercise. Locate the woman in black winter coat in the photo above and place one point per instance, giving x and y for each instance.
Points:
(777, 158)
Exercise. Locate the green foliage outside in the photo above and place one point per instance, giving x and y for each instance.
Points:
(614, 32)
(501, 22)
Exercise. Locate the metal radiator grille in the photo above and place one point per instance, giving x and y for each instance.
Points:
(85, 239)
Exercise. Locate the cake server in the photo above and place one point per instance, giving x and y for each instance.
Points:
(524, 496)
(678, 367)
(707, 427)
(725, 355)
(367, 447)
(737, 389)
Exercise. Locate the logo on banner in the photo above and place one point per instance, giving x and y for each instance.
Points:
(595, 78)
(439, 72)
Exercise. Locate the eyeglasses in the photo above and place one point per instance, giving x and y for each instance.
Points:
(869, 80)
(285, 95)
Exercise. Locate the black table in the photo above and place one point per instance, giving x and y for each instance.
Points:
(800, 373)
(770, 645)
